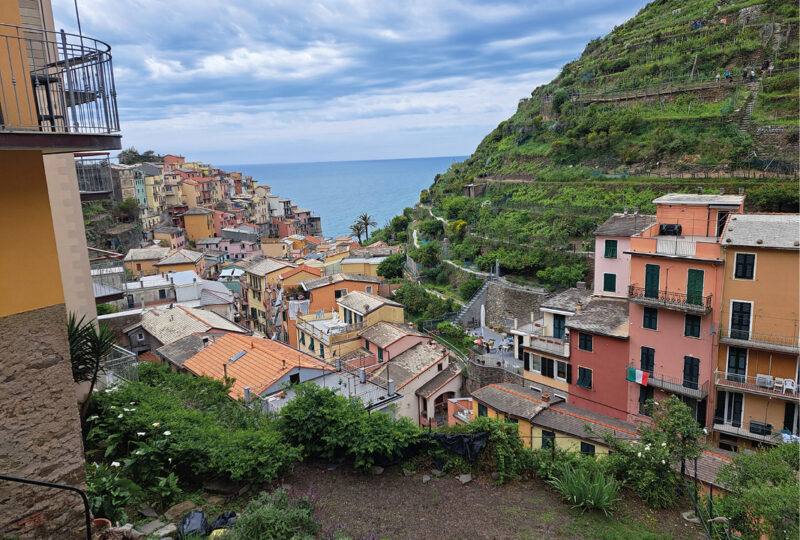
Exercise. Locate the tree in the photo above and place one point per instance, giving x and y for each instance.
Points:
(427, 255)
(128, 209)
(357, 229)
(469, 288)
(431, 228)
(392, 266)
(131, 156)
(88, 347)
(366, 220)
(673, 422)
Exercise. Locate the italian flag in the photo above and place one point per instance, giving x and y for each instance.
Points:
(638, 376)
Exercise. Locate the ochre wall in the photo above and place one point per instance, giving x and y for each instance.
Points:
(29, 267)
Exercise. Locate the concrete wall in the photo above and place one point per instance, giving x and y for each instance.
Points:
(480, 376)
(507, 301)
(41, 430)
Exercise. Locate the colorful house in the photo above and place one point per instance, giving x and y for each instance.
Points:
(172, 237)
(261, 280)
(612, 242)
(674, 295)
(181, 260)
(199, 223)
(141, 261)
(756, 378)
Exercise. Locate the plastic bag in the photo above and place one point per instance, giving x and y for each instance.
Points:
(194, 522)
(224, 521)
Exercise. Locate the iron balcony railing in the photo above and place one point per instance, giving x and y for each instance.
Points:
(762, 383)
(553, 345)
(94, 175)
(675, 385)
(55, 82)
(670, 300)
(746, 338)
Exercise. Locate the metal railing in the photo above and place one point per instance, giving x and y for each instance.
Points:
(670, 299)
(121, 365)
(676, 385)
(765, 384)
(94, 174)
(559, 346)
(108, 272)
(55, 82)
(760, 339)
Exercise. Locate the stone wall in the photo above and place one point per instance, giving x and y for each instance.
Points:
(480, 376)
(508, 301)
(41, 431)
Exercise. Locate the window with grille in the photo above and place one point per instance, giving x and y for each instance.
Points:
(691, 326)
(548, 439)
(587, 449)
(610, 282)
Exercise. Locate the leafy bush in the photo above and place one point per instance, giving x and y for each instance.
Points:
(272, 516)
(469, 288)
(504, 453)
(587, 490)
(333, 427)
(563, 275)
(427, 255)
(431, 228)
(392, 266)
(109, 493)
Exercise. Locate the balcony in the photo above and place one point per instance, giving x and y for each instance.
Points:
(56, 92)
(687, 303)
(755, 431)
(675, 385)
(761, 384)
(757, 340)
(94, 177)
(108, 275)
(327, 328)
(552, 345)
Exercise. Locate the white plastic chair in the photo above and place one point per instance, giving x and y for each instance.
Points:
(789, 386)
(778, 386)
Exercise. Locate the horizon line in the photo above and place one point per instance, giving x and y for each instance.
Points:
(341, 161)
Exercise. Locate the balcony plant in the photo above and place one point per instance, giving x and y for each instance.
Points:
(89, 344)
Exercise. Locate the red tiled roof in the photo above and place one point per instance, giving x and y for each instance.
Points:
(264, 362)
(302, 268)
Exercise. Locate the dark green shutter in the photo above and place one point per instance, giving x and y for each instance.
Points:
(694, 287)
(652, 276)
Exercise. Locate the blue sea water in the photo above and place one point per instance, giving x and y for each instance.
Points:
(338, 191)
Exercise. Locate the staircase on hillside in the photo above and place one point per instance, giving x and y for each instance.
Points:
(472, 309)
(745, 118)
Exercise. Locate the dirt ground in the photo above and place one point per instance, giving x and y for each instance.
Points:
(394, 506)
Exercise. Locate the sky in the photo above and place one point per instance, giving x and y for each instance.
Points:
(272, 81)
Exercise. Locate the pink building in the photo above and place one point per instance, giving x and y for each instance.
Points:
(383, 341)
(237, 250)
(223, 220)
(612, 262)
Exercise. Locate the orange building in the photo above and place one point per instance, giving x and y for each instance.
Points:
(180, 260)
(198, 223)
(756, 399)
(674, 295)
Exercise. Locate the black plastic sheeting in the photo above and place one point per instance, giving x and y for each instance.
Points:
(468, 445)
(194, 522)
(224, 520)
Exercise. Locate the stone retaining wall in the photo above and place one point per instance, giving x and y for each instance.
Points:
(508, 301)
(480, 376)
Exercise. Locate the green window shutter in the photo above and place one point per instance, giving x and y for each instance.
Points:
(610, 282)
(611, 249)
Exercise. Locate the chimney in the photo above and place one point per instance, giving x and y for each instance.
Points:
(225, 370)
(205, 342)
(362, 375)
(247, 394)
(284, 363)
(546, 399)
(390, 387)
(635, 210)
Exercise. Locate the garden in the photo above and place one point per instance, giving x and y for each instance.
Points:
(163, 439)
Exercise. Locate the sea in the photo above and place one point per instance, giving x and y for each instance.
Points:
(339, 191)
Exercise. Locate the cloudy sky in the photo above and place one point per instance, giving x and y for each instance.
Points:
(262, 81)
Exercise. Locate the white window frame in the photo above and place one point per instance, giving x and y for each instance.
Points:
(368, 289)
(729, 421)
(555, 371)
(534, 358)
(755, 265)
(730, 315)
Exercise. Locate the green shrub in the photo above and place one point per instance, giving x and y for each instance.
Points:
(431, 228)
(392, 266)
(587, 490)
(272, 516)
(109, 492)
(504, 452)
(782, 82)
(469, 288)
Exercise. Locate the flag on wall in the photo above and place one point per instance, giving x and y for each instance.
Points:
(638, 376)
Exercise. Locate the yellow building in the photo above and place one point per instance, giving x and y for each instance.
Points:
(337, 333)
(39, 190)
(273, 247)
(154, 189)
(190, 193)
(198, 223)
(756, 381)
(141, 261)
(546, 422)
(262, 278)
(171, 237)
(364, 266)
(181, 260)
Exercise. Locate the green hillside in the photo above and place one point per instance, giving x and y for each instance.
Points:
(639, 114)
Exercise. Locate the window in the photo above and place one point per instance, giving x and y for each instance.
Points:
(648, 359)
(652, 276)
(740, 320)
(691, 372)
(140, 336)
(294, 378)
(138, 267)
(338, 293)
(302, 338)
(691, 326)
(729, 408)
(548, 367)
(321, 350)
(645, 393)
(439, 367)
(585, 342)
(536, 363)
(380, 354)
(366, 345)
(610, 282)
(585, 378)
(511, 420)
(558, 326)
(563, 372)
(368, 289)
(611, 249)
(130, 300)
(650, 318)
(790, 418)
(482, 410)
(737, 364)
(520, 342)
(310, 343)
(745, 267)
(548, 439)
(527, 362)
(587, 449)
(162, 294)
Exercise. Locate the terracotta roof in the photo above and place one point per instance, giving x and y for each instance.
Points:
(251, 361)
(625, 225)
(384, 333)
(301, 268)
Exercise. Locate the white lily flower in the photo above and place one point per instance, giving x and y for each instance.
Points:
(663, 462)
(639, 454)
(115, 463)
(156, 424)
(119, 415)
(663, 444)
(141, 433)
(168, 432)
(132, 403)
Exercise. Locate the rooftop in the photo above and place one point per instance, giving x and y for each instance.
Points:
(166, 229)
(568, 300)
(574, 420)
(780, 231)
(406, 366)
(604, 316)
(301, 268)
(625, 225)
(513, 399)
(700, 200)
(146, 254)
(364, 303)
(316, 283)
(168, 325)
(250, 361)
(197, 211)
(268, 266)
(442, 378)
(182, 349)
(385, 333)
(213, 240)
(181, 256)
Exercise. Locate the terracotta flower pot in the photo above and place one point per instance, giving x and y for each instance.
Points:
(100, 524)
